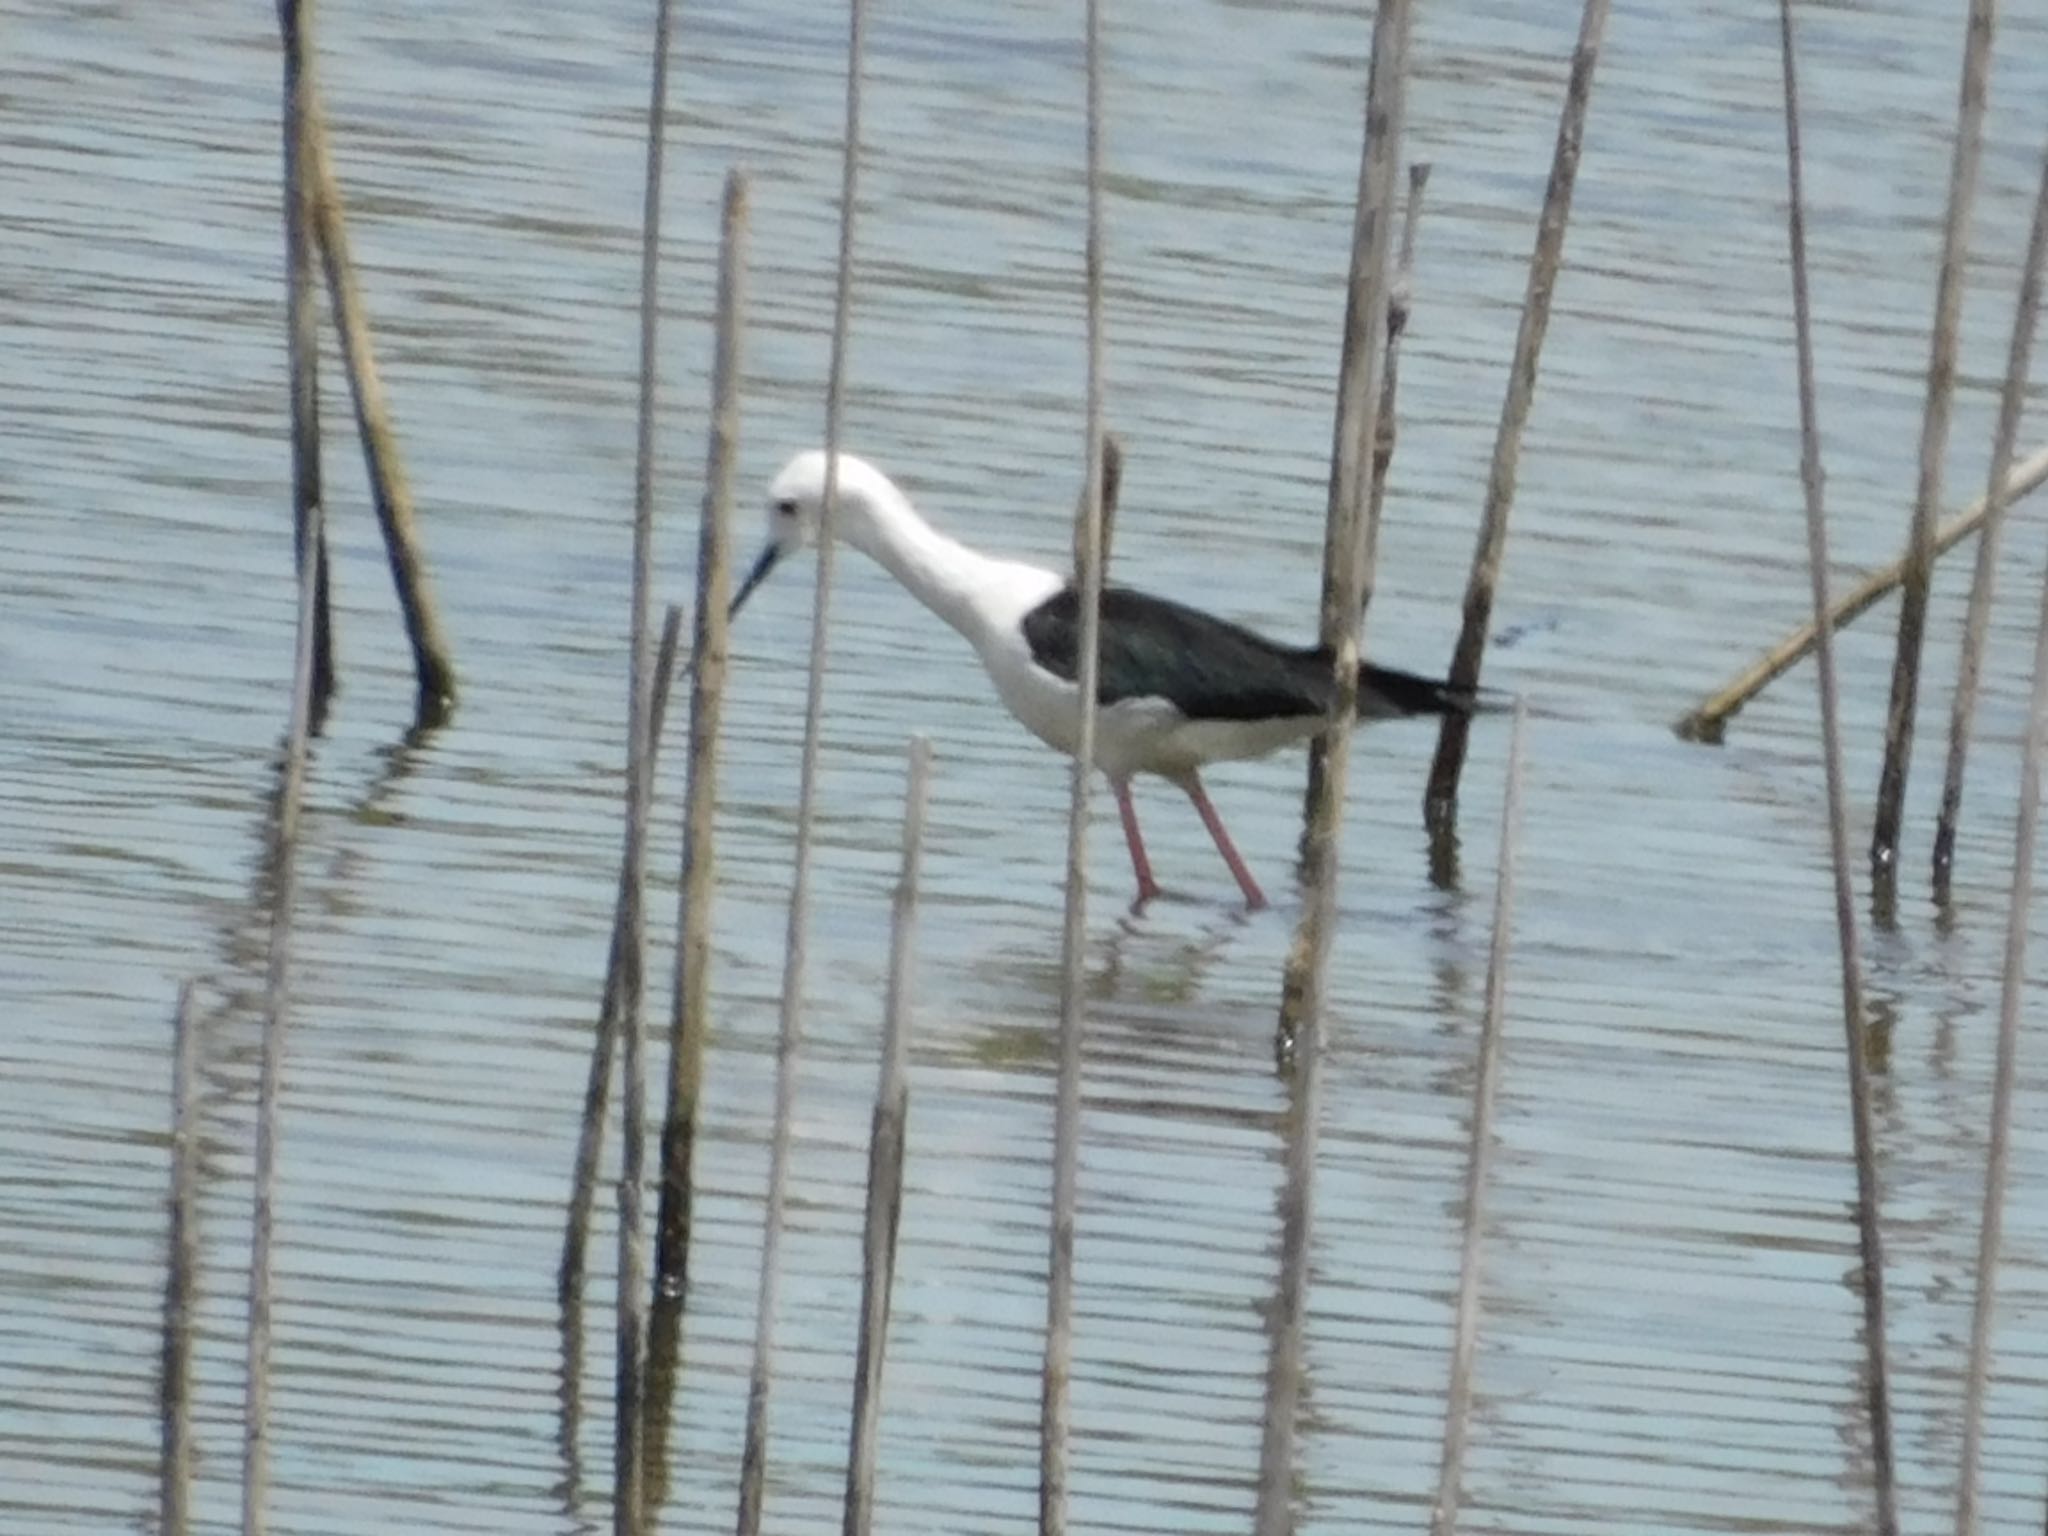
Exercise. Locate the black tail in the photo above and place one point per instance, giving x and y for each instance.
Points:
(1385, 694)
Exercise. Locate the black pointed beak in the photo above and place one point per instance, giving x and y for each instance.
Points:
(755, 577)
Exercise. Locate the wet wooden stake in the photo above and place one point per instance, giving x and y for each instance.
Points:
(689, 1025)
(2018, 912)
(433, 662)
(1350, 423)
(1303, 996)
(605, 1040)
(1465, 1331)
(1941, 379)
(796, 940)
(1440, 799)
(631, 941)
(1869, 1200)
(886, 1146)
(174, 1480)
(297, 17)
(302, 318)
(1054, 1421)
(1708, 721)
(2011, 405)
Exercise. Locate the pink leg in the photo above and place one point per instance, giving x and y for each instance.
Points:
(1147, 886)
(1253, 896)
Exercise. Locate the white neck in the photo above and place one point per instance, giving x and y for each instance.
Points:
(945, 575)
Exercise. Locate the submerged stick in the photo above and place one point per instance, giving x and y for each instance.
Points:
(2019, 909)
(1304, 987)
(886, 1145)
(1877, 1391)
(1465, 1331)
(1708, 721)
(174, 1478)
(2011, 406)
(433, 663)
(1054, 1422)
(689, 1025)
(302, 318)
(789, 1030)
(297, 18)
(1941, 381)
(1385, 432)
(1440, 799)
(605, 1040)
(630, 1382)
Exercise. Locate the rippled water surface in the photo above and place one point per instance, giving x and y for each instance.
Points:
(1670, 1339)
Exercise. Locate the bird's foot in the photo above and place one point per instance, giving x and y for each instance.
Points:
(1148, 892)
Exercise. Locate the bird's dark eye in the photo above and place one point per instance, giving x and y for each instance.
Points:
(786, 507)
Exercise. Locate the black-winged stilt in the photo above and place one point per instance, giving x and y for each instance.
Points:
(1178, 688)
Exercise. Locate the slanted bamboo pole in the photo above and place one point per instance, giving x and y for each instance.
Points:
(174, 1479)
(1486, 1080)
(1440, 798)
(886, 1147)
(689, 1025)
(796, 943)
(1708, 721)
(2011, 406)
(1304, 1000)
(1399, 304)
(1054, 1421)
(1869, 1201)
(1941, 382)
(297, 18)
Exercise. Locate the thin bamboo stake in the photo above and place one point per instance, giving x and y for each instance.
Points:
(1350, 422)
(2011, 406)
(174, 1482)
(433, 662)
(1112, 487)
(886, 1146)
(1055, 1428)
(629, 1401)
(1303, 997)
(1869, 1198)
(297, 16)
(1709, 720)
(605, 1039)
(689, 1025)
(2019, 909)
(789, 1032)
(1440, 798)
(1465, 1331)
(1941, 381)
(302, 318)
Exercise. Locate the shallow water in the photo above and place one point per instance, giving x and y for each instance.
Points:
(1670, 1340)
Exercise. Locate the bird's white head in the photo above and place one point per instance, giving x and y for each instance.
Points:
(796, 506)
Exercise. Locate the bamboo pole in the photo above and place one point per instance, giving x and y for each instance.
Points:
(297, 17)
(689, 1026)
(630, 1382)
(1440, 799)
(605, 1039)
(1869, 1201)
(1350, 422)
(1055, 1428)
(295, 23)
(174, 1481)
(1112, 487)
(2011, 406)
(433, 662)
(2019, 909)
(1303, 998)
(1486, 1079)
(1708, 721)
(886, 1146)
(1941, 380)
(789, 1031)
